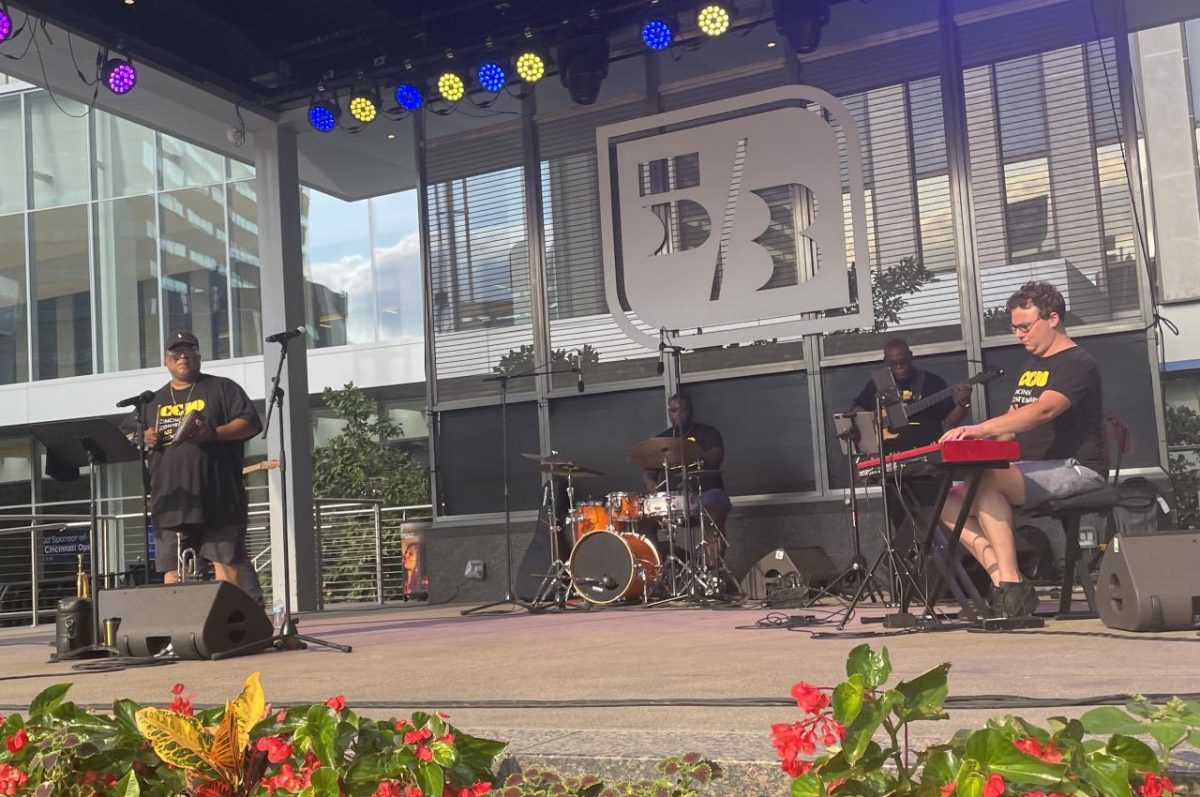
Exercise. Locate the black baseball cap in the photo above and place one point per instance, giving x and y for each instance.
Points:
(181, 337)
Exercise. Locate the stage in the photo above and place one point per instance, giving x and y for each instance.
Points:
(562, 688)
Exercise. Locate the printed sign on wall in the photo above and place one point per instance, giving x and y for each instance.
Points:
(694, 241)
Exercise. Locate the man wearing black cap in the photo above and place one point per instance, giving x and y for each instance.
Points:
(196, 487)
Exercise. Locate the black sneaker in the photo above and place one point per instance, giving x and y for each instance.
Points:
(1017, 599)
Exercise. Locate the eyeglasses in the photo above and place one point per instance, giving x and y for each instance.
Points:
(179, 354)
(1023, 329)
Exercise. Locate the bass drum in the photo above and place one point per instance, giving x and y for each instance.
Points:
(608, 566)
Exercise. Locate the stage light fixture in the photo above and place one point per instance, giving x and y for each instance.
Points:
(801, 22)
(491, 77)
(409, 97)
(583, 65)
(119, 75)
(364, 105)
(531, 67)
(323, 115)
(5, 25)
(451, 87)
(713, 19)
(657, 34)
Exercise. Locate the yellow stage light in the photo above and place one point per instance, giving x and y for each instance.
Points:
(451, 87)
(713, 19)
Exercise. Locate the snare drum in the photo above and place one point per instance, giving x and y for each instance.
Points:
(662, 505)
(624, 507)
(587, 517)
(609, 566)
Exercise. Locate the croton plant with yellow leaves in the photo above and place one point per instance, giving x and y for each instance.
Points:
(243, 749)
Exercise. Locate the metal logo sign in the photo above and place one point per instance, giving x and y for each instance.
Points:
(691, 239)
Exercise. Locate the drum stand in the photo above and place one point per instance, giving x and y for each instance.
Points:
(556, 584)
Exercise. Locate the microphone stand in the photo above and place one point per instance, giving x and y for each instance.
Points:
(288, 637)
(510, 596)
(139, 422)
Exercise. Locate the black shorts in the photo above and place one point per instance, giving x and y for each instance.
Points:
(223, 544)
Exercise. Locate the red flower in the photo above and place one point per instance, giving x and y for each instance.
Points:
(287, 779)
(401, 724)
(2, 719)
(110, 780)
(949, 788)
(11, 779)
(276, 748)
(1046, 794)
(311, 762)
(282, 715)
(1031, 746)
(417, 736)
(809, 698)
(833, 784)
(18, 740)
(796, 767)
(424, 753)
(388, 788)
(336, 703)
(480, 788)
(447, 738)
(177, 689)
(1155, 785)
(994, 786)
(413, 791)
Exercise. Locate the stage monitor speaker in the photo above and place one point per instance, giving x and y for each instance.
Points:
(1151, 583)
(196, 619)
(792, 569)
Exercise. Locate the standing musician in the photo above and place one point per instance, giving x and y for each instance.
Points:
(926, 426)
(196, 487)
(1056, 415)
(713, 498)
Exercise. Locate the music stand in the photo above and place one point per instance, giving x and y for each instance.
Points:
(91, 442)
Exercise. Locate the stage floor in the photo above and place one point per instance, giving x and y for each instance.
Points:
(542, 681)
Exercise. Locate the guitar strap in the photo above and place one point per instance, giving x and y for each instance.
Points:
(918, 384)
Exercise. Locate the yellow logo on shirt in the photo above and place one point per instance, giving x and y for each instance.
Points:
(1034, 379)
(179, 410)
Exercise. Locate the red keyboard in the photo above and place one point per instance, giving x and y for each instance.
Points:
(981, 453)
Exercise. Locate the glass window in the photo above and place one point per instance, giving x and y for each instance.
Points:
(62, 292)
(127, 284)
(124, 164)
(194, 272)
(240, 171)
(1192, 33)
(16, 471)
(12, 143)
(245, 269)
(396, 247)
(14, 339)
(337, 269)
(58, 147)
(185, 164)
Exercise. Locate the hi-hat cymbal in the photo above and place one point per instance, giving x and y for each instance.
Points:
(570, 469)
(675, 450)
(553, 459)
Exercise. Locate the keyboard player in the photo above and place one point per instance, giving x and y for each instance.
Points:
(1056, 415)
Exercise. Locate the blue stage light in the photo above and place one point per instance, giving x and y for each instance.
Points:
(657, 34)
(409, 97)
(491, 77)
(323, 116)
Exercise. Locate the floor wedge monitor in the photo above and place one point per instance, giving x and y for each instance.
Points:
(1151, 583)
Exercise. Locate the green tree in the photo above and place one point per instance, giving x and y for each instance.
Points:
(359, 462)
(890, 289)
(518, 361)
(1183, 429)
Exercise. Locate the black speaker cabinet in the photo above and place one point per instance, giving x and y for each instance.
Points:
(197, 619)
(1151, 583)
(788, 568)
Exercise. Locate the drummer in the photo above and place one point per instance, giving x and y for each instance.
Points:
(713, 497)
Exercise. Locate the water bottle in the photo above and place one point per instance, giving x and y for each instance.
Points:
(277, 615)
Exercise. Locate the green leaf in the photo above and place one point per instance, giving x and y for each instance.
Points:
(429, 778)
(1109, 774)
(970, 785)
(873, 667)
(127, 786)
(444, 754)
(325, 783)
(372, 768)
(848, 699)
(1168, 734)
(1136, 752)
(479, 755)
(1107, 720)
(47, 700)
(924, 696)
(1194, 739)
(807, 785)
(941, 766)
(996, 754)
(859, 734)
(320, 727)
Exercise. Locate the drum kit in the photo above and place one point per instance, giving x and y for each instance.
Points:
(629, 547)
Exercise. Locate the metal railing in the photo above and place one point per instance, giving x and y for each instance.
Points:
(360, 546)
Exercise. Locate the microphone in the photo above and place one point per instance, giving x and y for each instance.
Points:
(579, 373)
(145, 397)
(284, 337)
(662, 346)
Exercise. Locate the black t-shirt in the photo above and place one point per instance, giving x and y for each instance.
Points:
(198, 483)
(708, 438)
(924, 427)
(1079, 432)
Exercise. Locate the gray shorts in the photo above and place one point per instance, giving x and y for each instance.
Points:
(224, 544)
(1056, 478)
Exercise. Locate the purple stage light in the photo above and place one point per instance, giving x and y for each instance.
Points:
(120, 76)
(5, 25)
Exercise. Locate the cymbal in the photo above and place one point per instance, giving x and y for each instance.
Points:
(570, 469)
(675, 450)
(553, 459)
